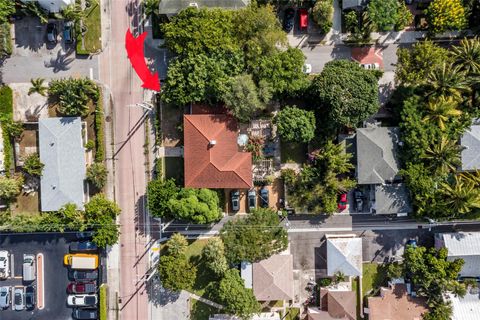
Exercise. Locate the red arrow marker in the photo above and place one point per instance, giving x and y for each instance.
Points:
(135, 53)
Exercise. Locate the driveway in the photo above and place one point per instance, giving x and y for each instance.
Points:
(53, 247)
(32, 57)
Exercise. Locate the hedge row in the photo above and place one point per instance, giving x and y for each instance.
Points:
(6, 115)
(103, 302)
(99, 131)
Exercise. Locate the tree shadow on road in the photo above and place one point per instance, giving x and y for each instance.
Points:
(60, 63)
(158, 295)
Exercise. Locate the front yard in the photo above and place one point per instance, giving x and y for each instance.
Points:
(374, 276)
(91, 41)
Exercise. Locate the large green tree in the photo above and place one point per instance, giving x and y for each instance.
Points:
(7, 8)
(460, 196)
(213, 254)
(446, 15)
(100, 215)
(73, 95)
(467, 55)
(322, 13)
(176, 272)
(158, 193)
(235, 298)
(295, 125)
(196, 205)
(449, 81)
(441, 110)
(346, 92)
(255, 237)
(97, 174)
(383, 14)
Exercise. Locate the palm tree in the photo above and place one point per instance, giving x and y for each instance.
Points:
(440, 110)
(467, 55)
(73, 12)
(37, 87)
(460, 196)
(447, 80)
(443, 157)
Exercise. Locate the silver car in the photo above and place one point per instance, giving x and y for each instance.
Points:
(19, 299)
(4, 297)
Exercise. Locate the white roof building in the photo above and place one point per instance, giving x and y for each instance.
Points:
(466, 308)
(52, 5)
(344, 254)
(464, 245)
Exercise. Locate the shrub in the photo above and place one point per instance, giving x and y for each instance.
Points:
(90, 145)
(97, 174)
(103, 302)
(73, 95)
(446, 15)
(99, 131)
(10, 187)
(325, 282)
(323, 14)
(295, 125)
(351, 21)
(32, 165)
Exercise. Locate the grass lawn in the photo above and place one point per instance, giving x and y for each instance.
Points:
(103, 302)
(174, 169)
(374, 276)
(292, 314)
(355, 289)
(200, 310)
(5, 40)
(91, 39)
(293, 152)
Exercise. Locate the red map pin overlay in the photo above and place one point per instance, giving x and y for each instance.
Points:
(136, 56)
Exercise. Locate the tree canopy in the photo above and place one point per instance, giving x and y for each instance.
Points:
(214, 256)
(7, 8)
(295, 125)
(346, 92)
(322, 14)
(32, 165)
(100, 215)
(196, 205)
(262, 231)
(10, 187)
(446, 15)
(383, 14)
(73, 95)
(158, 193)
(97, 174)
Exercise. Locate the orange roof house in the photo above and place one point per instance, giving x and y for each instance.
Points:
(212, 157)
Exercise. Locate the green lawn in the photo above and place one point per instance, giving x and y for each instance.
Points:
(204, 275)
(200, 310)
(6, 114)
(91, 39)
(293, 152)
(374, 276)
(103, 302)
(292, 314)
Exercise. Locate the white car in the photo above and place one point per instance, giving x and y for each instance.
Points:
(4, 264)
(370, 66)
(307, 68)
(82, 300)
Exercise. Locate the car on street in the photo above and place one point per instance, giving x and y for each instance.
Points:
(252, 199)
(303, 18)
(264, 198)
(370, 66)
(19, 299)
(358, 200)
(84, 314)
(412, 242)
(82, 300)
(4, 264)
(82, 287)
(30, 298)
(85, 246)
(235, 198)
(342, 202)
(52, 32)
(288, 19)
(68, 32)
(4, 297)
(84, 235)
(28, 267)
(307, 68)
(82, 275)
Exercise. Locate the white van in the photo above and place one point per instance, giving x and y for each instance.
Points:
(28, 267)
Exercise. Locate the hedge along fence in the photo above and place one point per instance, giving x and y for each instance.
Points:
(6, 116)
(103, 302)
(99, 130)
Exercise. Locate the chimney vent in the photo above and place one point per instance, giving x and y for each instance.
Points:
(213, 142)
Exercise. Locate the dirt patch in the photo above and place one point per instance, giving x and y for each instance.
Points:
(28, 143)
(172, 121)
(26, 203)
(28, 108)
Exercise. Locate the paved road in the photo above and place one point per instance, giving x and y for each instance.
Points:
(130, 179)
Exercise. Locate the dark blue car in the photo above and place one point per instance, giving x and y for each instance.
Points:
(85, 246)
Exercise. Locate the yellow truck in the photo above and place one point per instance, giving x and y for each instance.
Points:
(81, 261)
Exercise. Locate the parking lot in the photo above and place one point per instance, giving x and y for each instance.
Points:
(55, 274)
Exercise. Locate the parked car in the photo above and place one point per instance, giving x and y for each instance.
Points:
(84, 235)
(19, 299)
(412, 242)
(82, 275)
(307, 68)
(30, 297)
(235, 198)
(4, 264)
(370, 66)
(68, 32)
(4, 297)
(303, 18)
(82, 300)
(52, 32)
(288, 19)
(84, 314)
(342, 202)
(264, 198)
(28, 267)
(252, 199)
(85, 246)
(359, 200)
(82, 287)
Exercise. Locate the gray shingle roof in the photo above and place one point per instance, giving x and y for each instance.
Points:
(63, 154)
(171, 7)
(471, 152)
(377, 156)
(352, 4)
(392, 199)
(345, 255)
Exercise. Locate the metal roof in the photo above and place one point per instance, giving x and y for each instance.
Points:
(466, 308)
(246, 272)
(345, 255)
(377, 156)
(392, 199)
(63, 154)
(463, 245)
(471, 152)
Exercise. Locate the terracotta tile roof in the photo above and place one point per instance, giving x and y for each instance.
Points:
(368, 55)
(395, 304)
(339, 304)
(221, 165)
(273, 278)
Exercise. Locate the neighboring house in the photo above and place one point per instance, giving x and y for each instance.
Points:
(371, 56)
(212, 157)
(335, 304)
(470, 142)
(395, 304)
(271, 279)
(377, 169)
(344, 254)
(463, 245)
(466, 308)
(52, 5)
(63, 156)
(170, 8)
(259, 316)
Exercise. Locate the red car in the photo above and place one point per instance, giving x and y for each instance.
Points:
(303, 14)
(342, 202)
(82, 287)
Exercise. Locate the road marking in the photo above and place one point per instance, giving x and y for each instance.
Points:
(12, 266)
(17, 277)
(91, 74)
(40, 283)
